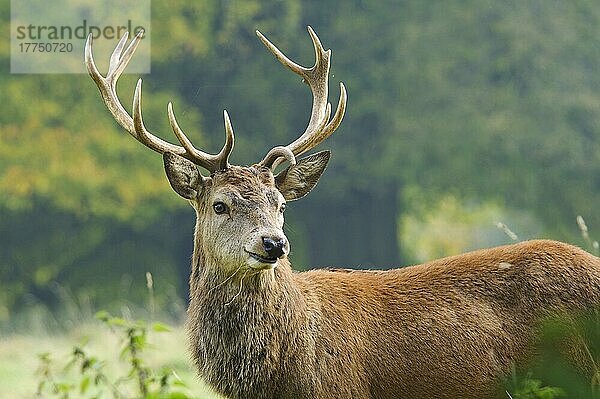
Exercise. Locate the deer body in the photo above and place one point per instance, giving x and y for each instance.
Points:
(445, 329)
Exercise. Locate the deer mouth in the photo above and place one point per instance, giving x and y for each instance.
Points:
(262, 258)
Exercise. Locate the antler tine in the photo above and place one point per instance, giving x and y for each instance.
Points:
(229, 142)
(319, 126)
(330, 126)
(210, 162)
(142, 134)
(119, 59)
(272, 162)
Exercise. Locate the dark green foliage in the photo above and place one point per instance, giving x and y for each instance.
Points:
(529, 388)
(567, 364)
(55, 257)
(85, 375)
(570, 354)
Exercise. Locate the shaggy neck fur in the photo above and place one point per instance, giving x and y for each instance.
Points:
(245, 330)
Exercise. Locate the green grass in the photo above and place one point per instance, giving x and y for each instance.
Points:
(19, 357)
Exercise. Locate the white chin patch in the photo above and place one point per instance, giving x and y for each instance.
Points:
(257, 265)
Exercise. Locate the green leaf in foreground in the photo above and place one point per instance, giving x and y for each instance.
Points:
(160, 327)
(83, 374)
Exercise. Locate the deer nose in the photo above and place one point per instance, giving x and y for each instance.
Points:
(274, 246)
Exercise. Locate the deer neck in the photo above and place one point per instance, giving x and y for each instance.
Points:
(243, 329)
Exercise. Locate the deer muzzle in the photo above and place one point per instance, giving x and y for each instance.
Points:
(267, 250)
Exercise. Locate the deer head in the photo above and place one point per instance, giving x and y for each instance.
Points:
(239, 208)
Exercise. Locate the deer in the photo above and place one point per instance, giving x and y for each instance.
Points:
(450, 328)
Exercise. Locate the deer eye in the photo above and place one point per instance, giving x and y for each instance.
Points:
(220, 208)
(282, 208)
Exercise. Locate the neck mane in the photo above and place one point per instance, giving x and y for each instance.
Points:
(245, 327)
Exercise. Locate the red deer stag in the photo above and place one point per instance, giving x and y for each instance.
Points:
(445, 329)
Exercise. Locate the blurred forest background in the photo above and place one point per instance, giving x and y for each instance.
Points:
(461, 114)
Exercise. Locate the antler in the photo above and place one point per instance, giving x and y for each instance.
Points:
(135, 125)
(319, 126)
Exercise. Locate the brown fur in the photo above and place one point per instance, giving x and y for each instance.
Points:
(446, 329)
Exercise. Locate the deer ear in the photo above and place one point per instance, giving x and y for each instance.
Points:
(183, 175)
(296, 181)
